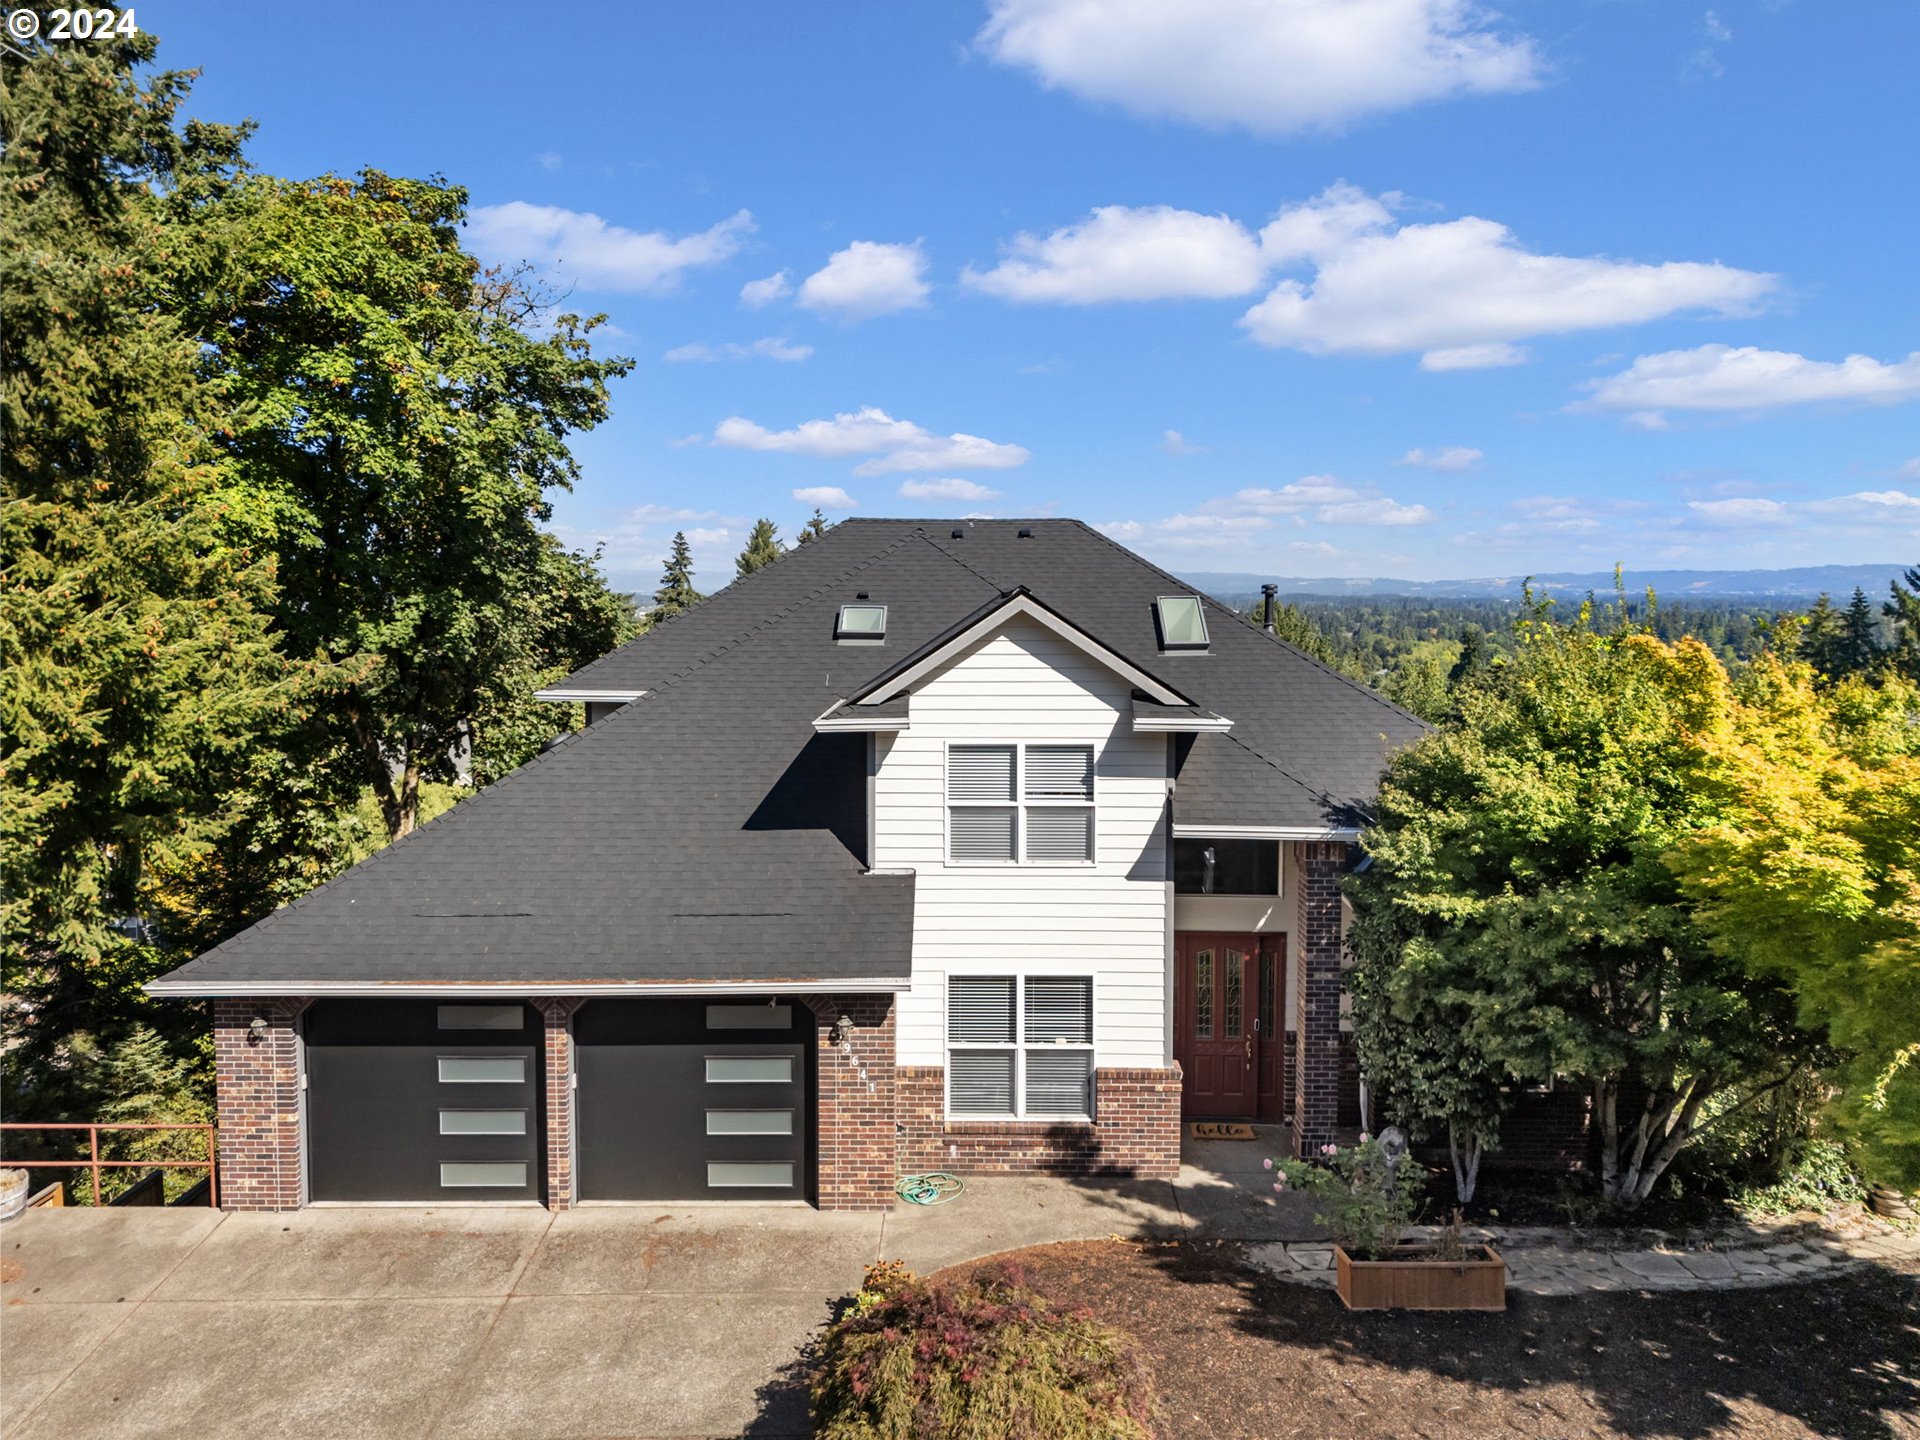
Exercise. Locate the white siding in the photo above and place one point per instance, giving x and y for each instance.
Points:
(1108, 919)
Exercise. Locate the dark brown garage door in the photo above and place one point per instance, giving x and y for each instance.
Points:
(691, 1100)
(425, 1101)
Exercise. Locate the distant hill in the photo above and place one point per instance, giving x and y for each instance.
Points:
(1799, 584)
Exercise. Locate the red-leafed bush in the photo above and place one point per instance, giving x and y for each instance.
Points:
(977, 1359)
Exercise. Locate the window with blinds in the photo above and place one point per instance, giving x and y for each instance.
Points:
(1015, 804)
(1020, 1047)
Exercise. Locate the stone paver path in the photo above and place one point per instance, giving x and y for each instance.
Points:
(1550, 1262)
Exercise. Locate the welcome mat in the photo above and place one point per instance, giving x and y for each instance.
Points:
(1220, 1130)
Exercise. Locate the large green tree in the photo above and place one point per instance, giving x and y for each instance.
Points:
(763, 547)
(134, 617)
(397, 419)
(676, 594)
(1519, 875)
(1810, 874)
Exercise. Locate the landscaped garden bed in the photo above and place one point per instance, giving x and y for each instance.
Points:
(1234, 1354)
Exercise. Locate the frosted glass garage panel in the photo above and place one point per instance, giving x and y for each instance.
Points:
(769, 1175)
(481, 1017)
(483, 1069)
(483, 1122)
(749, 1122)
(749, 1017)
(495, 1174)
(749, 1069)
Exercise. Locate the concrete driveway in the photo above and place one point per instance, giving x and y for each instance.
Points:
(510, 1323)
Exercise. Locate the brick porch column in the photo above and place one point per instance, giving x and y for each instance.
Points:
(1316, 945)
(557, 1015)
(856, 1102)
(257, 1080)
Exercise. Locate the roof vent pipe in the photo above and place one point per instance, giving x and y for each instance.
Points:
(1270, 609)
(959, 534)
(1026, 532)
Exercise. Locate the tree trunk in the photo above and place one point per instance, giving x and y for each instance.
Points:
(1667, 1122)
(407, 807)
(1466, 1163)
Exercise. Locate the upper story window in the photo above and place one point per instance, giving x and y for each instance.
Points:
(1182, 621)
(1019, 804)
(1226, 867)
(861, 622)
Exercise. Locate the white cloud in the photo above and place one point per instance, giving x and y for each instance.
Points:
(1326, 499)
(953, 489)
(757, 293)
(1871, 505)
(1177, 445)
(866, 279)
(827, 497)
(1273, 66)
(1721, 378)
(1740, 511)
(895, 445)
(1118, 253)
(772, 347)
(575, 247)
(550, 160)
(1911, 470)
(1453, 458)
(1704, 62)
(1461, 291)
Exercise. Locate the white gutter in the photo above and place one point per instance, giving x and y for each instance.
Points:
(1168, 725)
(432, 990)
(595, 697)
(858, 724)
(1262, 832)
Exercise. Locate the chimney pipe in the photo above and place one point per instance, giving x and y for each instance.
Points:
(1270, 609)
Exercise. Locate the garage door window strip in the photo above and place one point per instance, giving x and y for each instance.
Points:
(483, 1069)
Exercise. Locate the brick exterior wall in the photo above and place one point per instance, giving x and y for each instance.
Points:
(557, 1108)
(1135, 1132)
(1316, 1020)
(855, 1111)
(258, 1086)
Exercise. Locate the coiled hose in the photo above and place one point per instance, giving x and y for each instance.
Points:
(935, 1187)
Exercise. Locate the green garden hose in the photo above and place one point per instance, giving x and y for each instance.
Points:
(935, 1187)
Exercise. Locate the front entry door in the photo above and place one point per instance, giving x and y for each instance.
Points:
(1213, 1015)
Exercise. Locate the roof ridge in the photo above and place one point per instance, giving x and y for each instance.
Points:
(1290, 648)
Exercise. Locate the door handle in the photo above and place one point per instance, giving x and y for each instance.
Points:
(1249, 1048)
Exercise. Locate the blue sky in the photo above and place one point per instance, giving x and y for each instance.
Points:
(1306, 287)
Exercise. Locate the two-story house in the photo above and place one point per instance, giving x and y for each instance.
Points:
(973, 845)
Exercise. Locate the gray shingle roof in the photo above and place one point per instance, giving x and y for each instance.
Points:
(706, 833)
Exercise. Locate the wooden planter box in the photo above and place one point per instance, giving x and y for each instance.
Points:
(1414, 1281)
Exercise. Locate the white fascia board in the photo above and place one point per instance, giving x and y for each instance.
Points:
(858, 724)
(1155, 725)
(1263, 832)
(596, 697)
(1024, 605)
(437, 990)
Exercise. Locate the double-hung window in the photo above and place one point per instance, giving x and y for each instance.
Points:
(1020, 804)
(1020, 1047)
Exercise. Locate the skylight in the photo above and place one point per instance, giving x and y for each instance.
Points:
(861, 622)
(1183, 624)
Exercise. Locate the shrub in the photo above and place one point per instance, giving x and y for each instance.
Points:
(977, 1359)
(1820, 1178)
(1364, 1200)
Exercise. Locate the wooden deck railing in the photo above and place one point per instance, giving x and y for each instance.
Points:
(95, 1164)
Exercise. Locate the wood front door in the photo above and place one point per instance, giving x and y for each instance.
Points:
(1215, 997)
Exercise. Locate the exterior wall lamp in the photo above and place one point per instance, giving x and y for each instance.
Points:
(256, 1030)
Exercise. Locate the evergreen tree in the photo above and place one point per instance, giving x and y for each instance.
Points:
(1859, 636)
(813, 529)
(1474, 659)
(1903, 612)
(762, 549)
(676, 594)
(1822, 639)
(136, 663)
